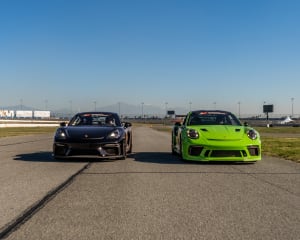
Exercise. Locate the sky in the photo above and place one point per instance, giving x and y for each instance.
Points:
(198, 54)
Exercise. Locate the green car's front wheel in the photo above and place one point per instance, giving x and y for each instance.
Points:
(173, 146)
(181, 150)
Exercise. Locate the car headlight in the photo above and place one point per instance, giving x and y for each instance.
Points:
(115, 134)
(192, 133)
(252, 134)
(60, 134)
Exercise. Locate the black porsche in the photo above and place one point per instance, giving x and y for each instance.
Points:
(94, 134)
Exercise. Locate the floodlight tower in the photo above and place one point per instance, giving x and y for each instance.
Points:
(166, 108)
(292, 99)
(142, 110)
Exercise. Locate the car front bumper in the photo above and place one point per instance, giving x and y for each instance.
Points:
(98, 150)
(248, 153)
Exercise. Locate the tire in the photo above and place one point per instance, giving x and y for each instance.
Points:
(172, 146)
(56, 157)
(124, 150)
(180, 152)
(174, 152)
(130, 145)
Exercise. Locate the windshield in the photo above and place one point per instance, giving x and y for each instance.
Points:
(94, 119)
(213, 118)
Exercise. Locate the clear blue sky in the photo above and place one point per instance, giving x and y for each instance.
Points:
(151, 51)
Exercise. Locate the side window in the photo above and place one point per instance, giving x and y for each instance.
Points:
(195, 120)
(233, 120)
(75, 121)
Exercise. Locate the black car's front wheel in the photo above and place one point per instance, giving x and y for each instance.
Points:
(129, 146)
(124, 150)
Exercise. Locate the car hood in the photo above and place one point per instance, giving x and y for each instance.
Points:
(221, 132)
(88, 132)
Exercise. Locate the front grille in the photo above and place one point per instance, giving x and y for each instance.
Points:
(91, 152)
(225, 153)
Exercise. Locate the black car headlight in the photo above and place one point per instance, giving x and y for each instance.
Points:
(252, 134)
(115, 134)
(60, 134)
(192, 133)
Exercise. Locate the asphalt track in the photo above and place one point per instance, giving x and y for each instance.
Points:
(150, 195)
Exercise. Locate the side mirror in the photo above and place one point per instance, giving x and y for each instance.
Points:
(177, 124)
(246, 124)
(126, 124)
(63, 124)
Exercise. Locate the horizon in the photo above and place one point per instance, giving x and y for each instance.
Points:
(148, 110)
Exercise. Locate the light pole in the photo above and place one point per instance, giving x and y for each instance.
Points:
(190, 106)
(239, 103)
(142, 110)
(119, 105)
(166, 109)
(215, 104)
(292, 99)
(95, 104)
(71, 108)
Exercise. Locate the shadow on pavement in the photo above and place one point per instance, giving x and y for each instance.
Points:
(47, 157)
(169, 158)
(147, 157)
(156, 157)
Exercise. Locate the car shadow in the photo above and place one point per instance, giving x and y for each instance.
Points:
(169, 158)
(156, 157)
(147, 157)
(47, 157)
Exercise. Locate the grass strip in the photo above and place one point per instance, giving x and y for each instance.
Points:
(18, 131)
(287, 148)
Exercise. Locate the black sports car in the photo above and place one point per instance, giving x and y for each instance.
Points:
(98, 134)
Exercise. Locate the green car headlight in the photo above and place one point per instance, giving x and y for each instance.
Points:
(192, 133)
(252, 134)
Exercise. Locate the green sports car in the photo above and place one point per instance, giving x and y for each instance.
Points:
(213, 135)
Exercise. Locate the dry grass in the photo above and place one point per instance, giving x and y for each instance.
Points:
(284, 147)
(17, 131)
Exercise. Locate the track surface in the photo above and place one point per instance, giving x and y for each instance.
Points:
(150, 195)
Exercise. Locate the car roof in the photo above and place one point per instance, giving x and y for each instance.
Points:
(97, 112)
(210, 111)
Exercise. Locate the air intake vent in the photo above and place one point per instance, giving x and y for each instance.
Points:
(195, 150)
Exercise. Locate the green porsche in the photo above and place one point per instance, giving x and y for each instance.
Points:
(213, 135)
